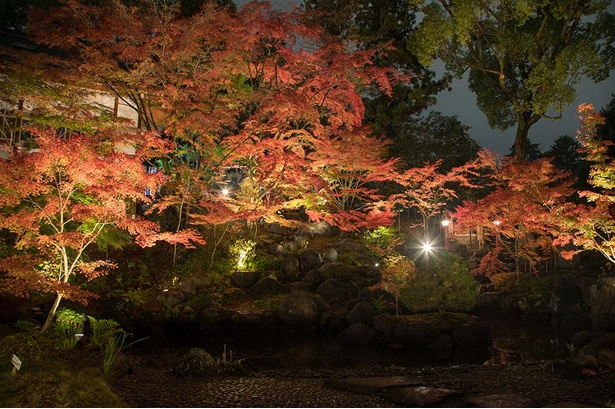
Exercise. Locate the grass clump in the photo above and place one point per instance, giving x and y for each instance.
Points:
(55, 384)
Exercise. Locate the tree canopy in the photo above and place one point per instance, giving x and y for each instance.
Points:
(524, 58)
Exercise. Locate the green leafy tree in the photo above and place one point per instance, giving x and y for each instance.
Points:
(524, 57)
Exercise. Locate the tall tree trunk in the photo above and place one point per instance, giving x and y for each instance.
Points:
(521, 141)
(524, 123)
(52, 313)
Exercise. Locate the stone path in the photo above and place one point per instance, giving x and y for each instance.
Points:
(529, 385)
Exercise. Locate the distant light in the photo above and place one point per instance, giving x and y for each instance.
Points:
(497, 222)
(225, 191)
(446, 222)
(377, 265)
(165, 290)
(427, 247)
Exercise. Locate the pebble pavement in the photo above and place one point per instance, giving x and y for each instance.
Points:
(483, 386)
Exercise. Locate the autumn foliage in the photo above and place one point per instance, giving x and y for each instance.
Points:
(517, 212)
(590, 225)
(60, 198)
(255, 100)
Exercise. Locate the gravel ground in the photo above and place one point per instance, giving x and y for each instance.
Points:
(157, 387)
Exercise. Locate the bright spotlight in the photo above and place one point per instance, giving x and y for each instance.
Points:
(225, 191)
(427, 247)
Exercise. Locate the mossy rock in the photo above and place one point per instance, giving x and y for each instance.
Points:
(196, 363)
(267, 287)
(442, 321)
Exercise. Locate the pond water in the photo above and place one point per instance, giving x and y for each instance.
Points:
(317, 351)
(513, 341)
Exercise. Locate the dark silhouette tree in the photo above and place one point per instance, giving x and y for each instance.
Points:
(431, 138)
(376, 23)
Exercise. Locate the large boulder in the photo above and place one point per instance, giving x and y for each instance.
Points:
(331, 289)
(359, 276)
(309, 260)
(471, 334)
(383, 327)
(322, 229)
(363, 312)
(330, 255)
(267, 287)
(191, 285)
(291, 271)
(357, 334)
(601, 296)
(253, 322)
(235, 294)
(244, 279)
(215, 319)
(298, 310)
(170, 298)
(415, 334)
(276, 228)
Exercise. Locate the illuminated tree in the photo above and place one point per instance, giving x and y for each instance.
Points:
(591, 225)
(238, 94)
(60, 198)
(518, 210)
(429, 191)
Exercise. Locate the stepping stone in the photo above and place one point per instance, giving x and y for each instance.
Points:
(500, 400)
(414, 396)
(371, 385)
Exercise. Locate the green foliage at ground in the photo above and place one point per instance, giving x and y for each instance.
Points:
(439, 319)
(51, 375)
(529, 292)
(55, 384)
(443, 283)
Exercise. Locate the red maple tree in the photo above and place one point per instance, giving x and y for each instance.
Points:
(59, 198)
(429, 191)
(590, 225)
(517, 212)
(254, 93)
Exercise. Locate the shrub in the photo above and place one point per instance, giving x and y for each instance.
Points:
(243, 253)
(529, 292)
(383, 241)
(67, 325)
(445, 283)
(107, 334)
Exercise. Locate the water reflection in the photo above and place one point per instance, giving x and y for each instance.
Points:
(318, 351)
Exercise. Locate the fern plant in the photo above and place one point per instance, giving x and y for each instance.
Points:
(68, 324)
(103, 331)
(107, 334)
